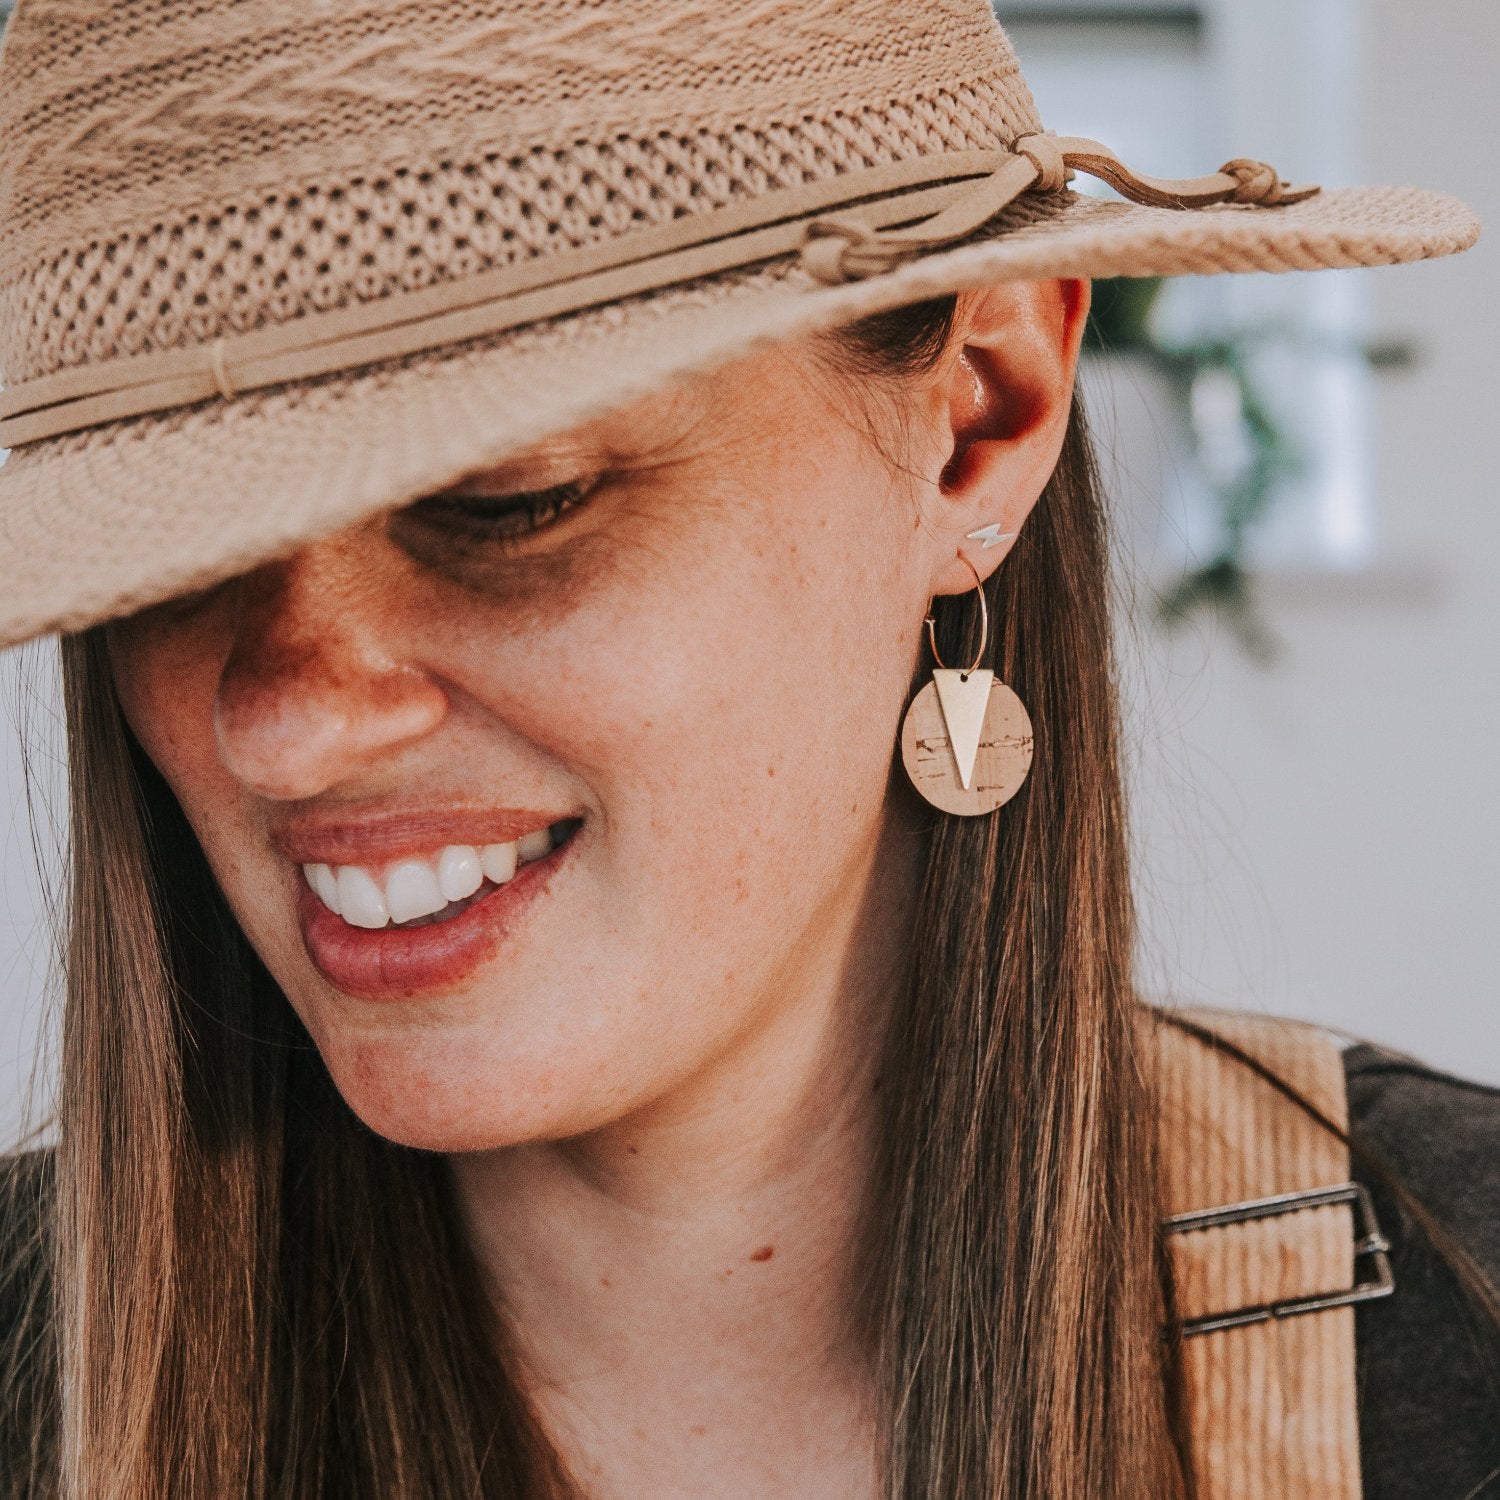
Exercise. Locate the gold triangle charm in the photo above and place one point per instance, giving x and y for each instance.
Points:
(964, 697)
(999, 770)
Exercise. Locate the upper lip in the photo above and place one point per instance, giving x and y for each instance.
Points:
(313, 839)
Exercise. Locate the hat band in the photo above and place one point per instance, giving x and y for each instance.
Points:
(884, 216)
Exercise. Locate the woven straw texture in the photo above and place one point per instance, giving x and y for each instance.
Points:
(263, 160)
(173, 173)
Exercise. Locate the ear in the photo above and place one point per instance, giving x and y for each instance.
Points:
(1003, 403)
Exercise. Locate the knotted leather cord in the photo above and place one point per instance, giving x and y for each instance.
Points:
(886, 215)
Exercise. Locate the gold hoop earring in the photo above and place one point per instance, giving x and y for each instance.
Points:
(966, 740)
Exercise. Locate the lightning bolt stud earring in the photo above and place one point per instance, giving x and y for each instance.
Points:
(991, 536)
(966, 740)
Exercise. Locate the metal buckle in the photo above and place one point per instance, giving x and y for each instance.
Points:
(1369, 1242)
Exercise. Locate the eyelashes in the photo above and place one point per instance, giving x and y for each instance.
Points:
(501, 521)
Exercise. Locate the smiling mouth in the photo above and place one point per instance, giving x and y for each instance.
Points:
(427, 890)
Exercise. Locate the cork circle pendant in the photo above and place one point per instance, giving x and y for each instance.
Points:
(966, 742)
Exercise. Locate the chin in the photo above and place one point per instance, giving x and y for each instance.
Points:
(444, 1096)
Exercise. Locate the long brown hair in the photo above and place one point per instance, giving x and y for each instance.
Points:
(254, 1295)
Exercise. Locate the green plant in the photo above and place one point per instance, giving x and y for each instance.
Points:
(1245, 469)
(1245, 486)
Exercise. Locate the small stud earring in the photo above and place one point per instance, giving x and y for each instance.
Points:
(991, 536)
(966, 740)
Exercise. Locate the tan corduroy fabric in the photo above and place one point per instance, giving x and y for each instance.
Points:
(172, 176)
(1271, 1406)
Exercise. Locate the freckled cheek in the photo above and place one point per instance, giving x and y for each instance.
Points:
(167, 696)
(713, 747)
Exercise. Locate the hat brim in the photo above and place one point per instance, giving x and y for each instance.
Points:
(101, 523)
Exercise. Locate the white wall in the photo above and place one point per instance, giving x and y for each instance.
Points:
(1321, 839)
(28, 695)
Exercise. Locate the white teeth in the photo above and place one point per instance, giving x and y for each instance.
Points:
(361, 901)
(498, 861)
(325, 883)
(458, 872)
(415, 888)
(534, 845)
(412, 890)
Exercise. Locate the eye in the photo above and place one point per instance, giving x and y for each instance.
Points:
(501, 520)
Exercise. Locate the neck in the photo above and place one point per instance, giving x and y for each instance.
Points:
(699, 1256)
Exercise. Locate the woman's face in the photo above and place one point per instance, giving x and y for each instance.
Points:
(681, 638)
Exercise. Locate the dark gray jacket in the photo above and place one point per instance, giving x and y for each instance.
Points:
(1429, 1371)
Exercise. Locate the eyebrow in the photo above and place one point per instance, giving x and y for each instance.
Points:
(613, 441)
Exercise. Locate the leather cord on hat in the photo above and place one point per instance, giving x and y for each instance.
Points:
(884, 216)
(1040, 162)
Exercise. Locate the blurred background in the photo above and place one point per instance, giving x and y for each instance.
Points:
(1308, 543)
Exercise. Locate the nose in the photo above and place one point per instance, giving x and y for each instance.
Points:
(312, 688)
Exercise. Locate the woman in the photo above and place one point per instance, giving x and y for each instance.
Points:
(526, 1034)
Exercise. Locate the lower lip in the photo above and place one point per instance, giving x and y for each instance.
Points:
(408, 963)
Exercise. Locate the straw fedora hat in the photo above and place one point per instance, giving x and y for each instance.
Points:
(268, 267)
